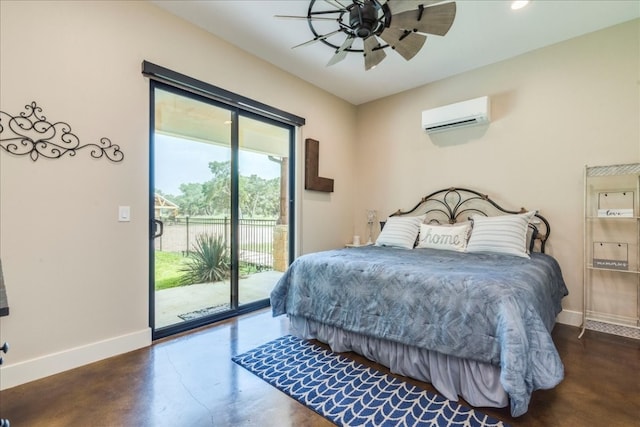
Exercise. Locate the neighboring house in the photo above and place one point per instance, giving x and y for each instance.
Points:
(77, 279)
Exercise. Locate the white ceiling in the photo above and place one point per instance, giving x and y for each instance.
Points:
(483, 32)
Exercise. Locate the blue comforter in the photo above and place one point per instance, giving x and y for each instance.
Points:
(492, 308)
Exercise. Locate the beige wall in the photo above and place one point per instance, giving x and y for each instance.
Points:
(77, 280)
(555, 110)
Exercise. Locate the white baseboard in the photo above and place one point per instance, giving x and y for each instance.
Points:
(568, 317)
(50, 364)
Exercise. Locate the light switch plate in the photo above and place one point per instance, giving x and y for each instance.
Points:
(124, 213)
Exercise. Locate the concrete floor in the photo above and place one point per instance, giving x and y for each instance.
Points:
(190, 380)
(172, 302)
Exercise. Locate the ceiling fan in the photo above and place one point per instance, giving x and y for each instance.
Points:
(366, 21)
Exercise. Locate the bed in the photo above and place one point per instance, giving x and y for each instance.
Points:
(457, 292)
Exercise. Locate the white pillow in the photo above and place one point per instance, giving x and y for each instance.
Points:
(451, 237)
(506, 234)
(400, 232)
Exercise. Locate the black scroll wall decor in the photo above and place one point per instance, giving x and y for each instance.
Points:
(30, 134)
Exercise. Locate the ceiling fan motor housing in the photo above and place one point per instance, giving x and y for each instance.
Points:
(363, 18)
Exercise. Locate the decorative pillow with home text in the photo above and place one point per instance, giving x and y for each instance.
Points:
(452, 238)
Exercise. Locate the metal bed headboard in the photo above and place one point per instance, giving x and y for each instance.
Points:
(455, 204)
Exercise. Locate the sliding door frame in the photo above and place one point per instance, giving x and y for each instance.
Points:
(167, 80)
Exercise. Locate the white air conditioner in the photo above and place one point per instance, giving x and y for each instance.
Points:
(461, 114)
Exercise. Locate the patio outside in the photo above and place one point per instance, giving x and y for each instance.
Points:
(260, 240)
(201, 299)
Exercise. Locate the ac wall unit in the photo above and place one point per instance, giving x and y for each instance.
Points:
(461, 114)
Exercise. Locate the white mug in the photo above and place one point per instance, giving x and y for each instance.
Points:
(356, 240)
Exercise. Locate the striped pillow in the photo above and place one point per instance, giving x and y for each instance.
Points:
(400, 232)
(506, 234)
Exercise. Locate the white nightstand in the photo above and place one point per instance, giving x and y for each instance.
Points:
(351, 245)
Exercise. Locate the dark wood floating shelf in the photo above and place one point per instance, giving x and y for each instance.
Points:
(311, 164)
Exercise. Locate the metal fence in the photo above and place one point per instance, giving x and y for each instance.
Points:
(255, 236)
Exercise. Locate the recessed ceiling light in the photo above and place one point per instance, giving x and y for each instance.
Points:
(519, 4)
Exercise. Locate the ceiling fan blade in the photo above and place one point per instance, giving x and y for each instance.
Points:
(372, 57)
(316, 39)
(406, 43)
(314, 18)
(341, 53)
(431, 20)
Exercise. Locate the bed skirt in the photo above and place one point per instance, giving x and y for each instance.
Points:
(477, 383)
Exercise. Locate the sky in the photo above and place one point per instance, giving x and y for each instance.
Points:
(179, 161)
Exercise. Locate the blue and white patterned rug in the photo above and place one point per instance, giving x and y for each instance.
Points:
(349, 393)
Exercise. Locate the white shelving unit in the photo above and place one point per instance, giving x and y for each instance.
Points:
(612, 249)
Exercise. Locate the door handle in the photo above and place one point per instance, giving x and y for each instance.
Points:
(158, 228)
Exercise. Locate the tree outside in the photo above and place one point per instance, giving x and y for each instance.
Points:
(259, 197)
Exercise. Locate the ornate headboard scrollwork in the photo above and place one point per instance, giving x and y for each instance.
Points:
(454, 204)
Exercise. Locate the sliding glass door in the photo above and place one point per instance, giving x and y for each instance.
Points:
(220, 208)
(263, 198)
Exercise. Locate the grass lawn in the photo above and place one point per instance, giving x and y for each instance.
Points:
(168, 266)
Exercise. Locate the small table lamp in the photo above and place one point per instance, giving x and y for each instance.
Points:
(371, 218)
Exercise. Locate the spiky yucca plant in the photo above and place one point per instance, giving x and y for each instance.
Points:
(208, 261)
